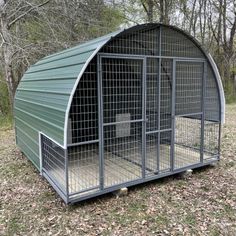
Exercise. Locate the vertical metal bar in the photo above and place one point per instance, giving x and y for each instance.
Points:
(159, 104)
(41, 153)
(67, 175)
(100, 121)
(172, 153)
(144, 92)
(219, 140)
(203, 111)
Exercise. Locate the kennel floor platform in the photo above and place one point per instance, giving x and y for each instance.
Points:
(117, 170)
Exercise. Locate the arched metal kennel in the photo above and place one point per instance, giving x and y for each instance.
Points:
(123, 109)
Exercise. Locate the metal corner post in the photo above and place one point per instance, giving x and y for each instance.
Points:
(203, 111)
(159, 105)
(219, 139)
(100, 122)
(40, 154)
(144, 118)
(67, 175)
(172, 153)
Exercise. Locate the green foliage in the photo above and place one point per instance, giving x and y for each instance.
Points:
(5, 109)
(4, 101)
(6, 122)
(230, 92)
(108, 20)
(49, 29)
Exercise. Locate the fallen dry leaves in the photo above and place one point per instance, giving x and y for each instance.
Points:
(203, 204)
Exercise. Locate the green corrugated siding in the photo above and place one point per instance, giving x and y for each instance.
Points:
(43, 94)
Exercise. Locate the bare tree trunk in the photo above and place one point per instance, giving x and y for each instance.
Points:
(219, 28)
(10, 83)
(192, 17)
(148, 9)
(167, 7)
(6, 25)
(6, 55)
(202, 20)
(162, 11)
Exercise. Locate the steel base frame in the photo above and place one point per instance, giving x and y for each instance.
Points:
(75, 199)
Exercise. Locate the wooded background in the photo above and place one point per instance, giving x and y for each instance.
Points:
(32, 29)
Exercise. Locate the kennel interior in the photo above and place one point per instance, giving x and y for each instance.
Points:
(120, 110)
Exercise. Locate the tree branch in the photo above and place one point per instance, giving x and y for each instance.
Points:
(232, 32)
(27, 12)
(145, 8)
(19, 9)
(3, 40)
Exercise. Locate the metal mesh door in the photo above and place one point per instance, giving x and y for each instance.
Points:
(188, 113)
(122, 119)
(158, 115)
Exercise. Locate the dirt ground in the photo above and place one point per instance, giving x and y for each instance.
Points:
(203, 204)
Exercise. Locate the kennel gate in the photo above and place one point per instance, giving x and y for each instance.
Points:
(147, 137)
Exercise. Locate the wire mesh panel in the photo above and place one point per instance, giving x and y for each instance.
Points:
(158, 145)
(83, 121)
(189, 77)
(211, 100)
(140, 41)
(211, 139)
(189, 110)
(122, 89)
(152, 115)
(152, 153)
(166, 94)
(122, 114)
(54, 162)
(187, 141)
(165, 151)
(83, 168)
(176, 44)
(122, 155)
(165, 114)
(152, 91)
(83, 151)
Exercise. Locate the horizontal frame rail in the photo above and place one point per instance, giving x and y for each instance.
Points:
(158, 131)
(141, 57)
(123, 122)
(83, 143)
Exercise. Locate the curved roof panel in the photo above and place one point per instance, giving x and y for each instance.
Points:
(44, 92)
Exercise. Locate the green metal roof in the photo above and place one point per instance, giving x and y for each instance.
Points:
(43, 95)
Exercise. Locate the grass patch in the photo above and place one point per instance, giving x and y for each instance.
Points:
(215, 232)
(11, 170)
(161, 220)
(137, 206)
(6, 122)
(205, 188)
(14, 226)
(230, 98)
(230, 212)
(190, 219)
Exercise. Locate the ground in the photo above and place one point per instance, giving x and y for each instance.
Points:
(202, 204)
